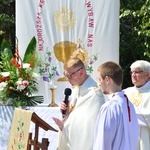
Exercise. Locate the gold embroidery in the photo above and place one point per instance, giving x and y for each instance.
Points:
(65, 19)
(71, 108)
(136, 98)
(74, 100)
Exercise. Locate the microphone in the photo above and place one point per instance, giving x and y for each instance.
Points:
(67, 93)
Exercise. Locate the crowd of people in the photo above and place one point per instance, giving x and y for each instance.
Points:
(90, 122)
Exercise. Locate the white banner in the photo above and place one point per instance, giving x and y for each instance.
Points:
(58, 25)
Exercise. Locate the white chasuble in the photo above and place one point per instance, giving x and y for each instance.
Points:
(140, 97)
(78, 131)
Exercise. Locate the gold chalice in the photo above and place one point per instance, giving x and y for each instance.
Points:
(63, 50)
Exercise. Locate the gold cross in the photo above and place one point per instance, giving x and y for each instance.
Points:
(79, 41)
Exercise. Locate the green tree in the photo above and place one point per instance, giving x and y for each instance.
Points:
(134, 34)
(134, 31)
(7, 22)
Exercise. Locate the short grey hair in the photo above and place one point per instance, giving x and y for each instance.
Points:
(142, 64)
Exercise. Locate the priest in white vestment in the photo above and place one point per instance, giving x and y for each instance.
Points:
(77, 131)
(117, 126)
(139, 95)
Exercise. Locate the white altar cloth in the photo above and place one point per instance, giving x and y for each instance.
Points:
(46, 113)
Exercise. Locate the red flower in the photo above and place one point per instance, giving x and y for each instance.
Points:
(1, 79)
(24, 93)
(6, 78)
(28, 76)
(32, 61)
(15, 62)
(20, 137)
(8, 90)
(25, 83)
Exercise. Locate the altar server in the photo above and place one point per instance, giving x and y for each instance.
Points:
(77, 129)
(116, 126)
(139, 95)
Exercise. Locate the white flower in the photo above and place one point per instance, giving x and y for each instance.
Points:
(5, 74)
(20, 87)
(35, 75)
(19, 82)
(11, 88)
(20, 79)
(2, 85)
(26, 65)
(25, 83)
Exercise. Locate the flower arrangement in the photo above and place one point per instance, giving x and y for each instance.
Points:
(47, 69)
(18, 80)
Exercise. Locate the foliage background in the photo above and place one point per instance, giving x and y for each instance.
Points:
(7, 22)
(134, 31)
(134, 34)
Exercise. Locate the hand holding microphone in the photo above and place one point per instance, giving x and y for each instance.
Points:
(67, 93)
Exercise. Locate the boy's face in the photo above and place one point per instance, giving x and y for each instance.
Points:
(103, 84)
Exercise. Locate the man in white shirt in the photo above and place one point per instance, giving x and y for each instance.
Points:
(139, 95)
(116, 126)
(77, 130)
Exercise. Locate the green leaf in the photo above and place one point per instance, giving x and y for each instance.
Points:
(6, 49)
(90, 69)
(30, 51)
(34, 100)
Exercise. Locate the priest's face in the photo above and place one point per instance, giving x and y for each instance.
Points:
(74, 76)
(139, 77)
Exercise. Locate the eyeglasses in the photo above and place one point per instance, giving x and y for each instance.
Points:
(135, 72)
(69, 76)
